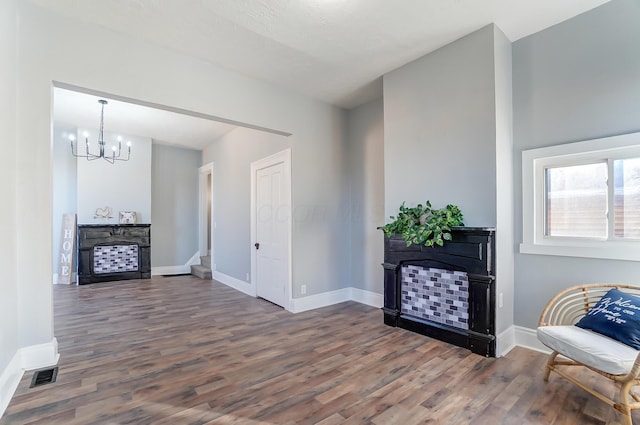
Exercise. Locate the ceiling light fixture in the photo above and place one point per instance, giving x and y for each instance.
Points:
(110, 158)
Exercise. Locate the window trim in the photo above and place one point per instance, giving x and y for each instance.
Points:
(534, 162)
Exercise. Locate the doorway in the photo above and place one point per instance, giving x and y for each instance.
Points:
(206, 216)
(271, 228)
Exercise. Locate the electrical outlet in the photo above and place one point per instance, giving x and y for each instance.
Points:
(247, 277)
(303, 289)
(213, 266)
(500, 300)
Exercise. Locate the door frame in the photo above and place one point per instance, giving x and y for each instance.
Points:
(282, 157)
(203, 242)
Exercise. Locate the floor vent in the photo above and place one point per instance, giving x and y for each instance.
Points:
(44, 376)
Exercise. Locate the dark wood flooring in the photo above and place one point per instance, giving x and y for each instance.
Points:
(180, 350)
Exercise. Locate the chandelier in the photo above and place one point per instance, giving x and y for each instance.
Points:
(110, 157)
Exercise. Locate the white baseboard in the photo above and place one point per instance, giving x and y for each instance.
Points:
(298, 305)
(9, 380)
(526, 338)
(181, 269)
(41, 355)
(505, 341)
(237, 284)
(518, 336)
(369, 298)
(26, 358)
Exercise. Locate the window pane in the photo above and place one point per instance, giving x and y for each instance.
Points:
(576, 201)
(626, 198)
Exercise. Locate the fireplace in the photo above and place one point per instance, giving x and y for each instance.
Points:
(113, 252)
(447, 292)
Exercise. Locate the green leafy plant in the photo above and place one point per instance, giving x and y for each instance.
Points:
(423, 225)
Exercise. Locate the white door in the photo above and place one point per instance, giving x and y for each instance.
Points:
(271, 242)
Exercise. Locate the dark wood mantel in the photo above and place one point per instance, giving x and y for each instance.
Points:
(92, 235)
(472, 250)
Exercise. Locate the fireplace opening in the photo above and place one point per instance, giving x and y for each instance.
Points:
(115, 258)
(437, 295)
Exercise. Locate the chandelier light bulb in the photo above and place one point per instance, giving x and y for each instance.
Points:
(72, 137)
(85, 134)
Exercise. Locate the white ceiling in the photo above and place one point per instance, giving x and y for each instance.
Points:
(332, 50)
(83, 110)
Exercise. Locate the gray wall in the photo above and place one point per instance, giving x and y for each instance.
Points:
(9, 315)
(366, 185)
(232, 156)
(64, 186)
(174, 204)
(575, 81)
(439, 130)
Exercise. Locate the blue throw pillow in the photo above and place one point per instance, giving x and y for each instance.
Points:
(616, 315)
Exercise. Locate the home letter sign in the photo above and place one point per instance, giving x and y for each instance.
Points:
(67, 242)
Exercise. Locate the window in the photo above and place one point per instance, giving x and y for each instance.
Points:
(583, 199)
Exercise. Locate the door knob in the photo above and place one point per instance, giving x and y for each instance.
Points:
(257, 245)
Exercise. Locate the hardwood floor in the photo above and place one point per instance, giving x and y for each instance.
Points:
(181, 350)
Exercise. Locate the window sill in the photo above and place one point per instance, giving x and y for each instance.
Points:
(610, 251)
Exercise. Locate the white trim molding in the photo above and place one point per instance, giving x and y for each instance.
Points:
(9, 380)
(232, 282)
(26, 358)
(369, 298)
(505, 341)
(526, 338)
(298, 305)
(183, 269)
(204, 197)
(325, 299)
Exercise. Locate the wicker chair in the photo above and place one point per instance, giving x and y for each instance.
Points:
(557, 319)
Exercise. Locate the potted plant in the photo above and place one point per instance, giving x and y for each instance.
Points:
(424, 225)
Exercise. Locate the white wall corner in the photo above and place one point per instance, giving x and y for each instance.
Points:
(298, 305)
(527, 338)
(9, 380)
(369, 298)
(237, 284)
(181, 269)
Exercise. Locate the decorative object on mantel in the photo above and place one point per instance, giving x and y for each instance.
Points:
(111, 157)
(103, 213)
(423, 225)
(127, 217)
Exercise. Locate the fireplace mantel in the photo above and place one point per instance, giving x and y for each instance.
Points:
(471, 250)
(91, 236)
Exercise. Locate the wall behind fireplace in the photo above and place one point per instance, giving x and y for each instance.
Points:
(123, 186)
